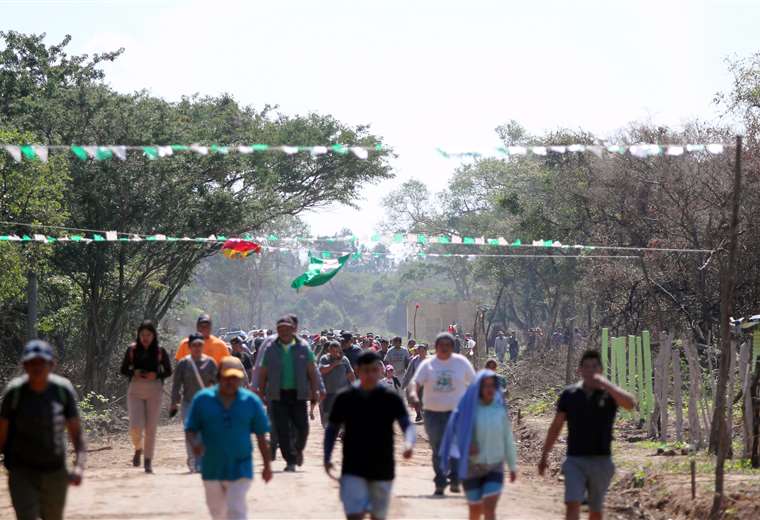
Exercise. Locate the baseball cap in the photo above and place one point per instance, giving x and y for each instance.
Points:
(204, 318)
(286, 320)
(192, 338)
(236, 339)
(347, 336)
(231, 367)
(37, 349)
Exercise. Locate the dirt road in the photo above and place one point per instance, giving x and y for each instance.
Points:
(114, 490)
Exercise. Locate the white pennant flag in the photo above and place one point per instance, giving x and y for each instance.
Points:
(42, 152)
(136, 238)
(596, 150)
(289, 150)
(456, 239)
(160, 238)
(558, 149)
(674, 150)
(318, 150)
(503, 241)
(245, 149)
(517, 150)
(14, 238)
(715, 148)
(538, 243)
(201, 150)
(40, 238)
(411, 238)
(15, 152)
(576, 148)
(64, 238)
(111, 236)
(639, 150)
(695, 147)
(119, 151)
(538, 150)
(92, 151)
(164, 151)
(360, 152)
(480, 241)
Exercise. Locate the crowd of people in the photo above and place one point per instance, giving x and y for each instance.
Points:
(268, 384)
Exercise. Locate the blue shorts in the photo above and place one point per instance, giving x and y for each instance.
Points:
(478, 488)
(360, 495)
(591, 475)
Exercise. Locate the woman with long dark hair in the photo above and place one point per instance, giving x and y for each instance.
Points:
(146, 364)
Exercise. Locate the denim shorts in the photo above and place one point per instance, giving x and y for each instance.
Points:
(478, 488)
(360, 495)
(591, 474)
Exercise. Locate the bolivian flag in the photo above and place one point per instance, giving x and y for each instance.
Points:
(239, 248)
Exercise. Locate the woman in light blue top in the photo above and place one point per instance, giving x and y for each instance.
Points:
(479, 433)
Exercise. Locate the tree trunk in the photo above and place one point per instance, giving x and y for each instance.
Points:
(31, 305)
(569, 363)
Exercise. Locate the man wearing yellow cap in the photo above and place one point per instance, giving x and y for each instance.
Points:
(225, 416)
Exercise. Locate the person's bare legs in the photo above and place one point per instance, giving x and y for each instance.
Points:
(595, 515)
(572, 511)
(476, 511)
(489, 507)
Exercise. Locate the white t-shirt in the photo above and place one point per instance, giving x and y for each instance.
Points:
(443, 382)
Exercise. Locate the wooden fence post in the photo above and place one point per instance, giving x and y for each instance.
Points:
(745, 373)
(695, 390)
(730, 395)
(662, 373)
(646, 345)
(677, 391)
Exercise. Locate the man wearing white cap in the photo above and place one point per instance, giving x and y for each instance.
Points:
(225, 416)
(36, 408)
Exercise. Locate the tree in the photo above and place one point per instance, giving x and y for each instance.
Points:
(63, 99)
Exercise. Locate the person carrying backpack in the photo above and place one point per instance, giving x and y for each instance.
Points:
(146, 364)
(37, 408)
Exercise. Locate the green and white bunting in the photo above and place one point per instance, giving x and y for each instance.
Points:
(320, 271)
(33, 152)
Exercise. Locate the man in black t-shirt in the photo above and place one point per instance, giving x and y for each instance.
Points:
(36, 410)
(589, 407)
(367, 412)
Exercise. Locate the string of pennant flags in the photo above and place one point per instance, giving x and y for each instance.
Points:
(416, 239)
(256, 248)
(32, 152)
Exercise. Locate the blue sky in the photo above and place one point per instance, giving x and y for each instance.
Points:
(421, 73)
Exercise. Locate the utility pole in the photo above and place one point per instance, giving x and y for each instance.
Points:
(727, 289)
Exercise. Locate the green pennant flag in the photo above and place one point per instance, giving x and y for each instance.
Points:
(28, 152)
(468, 240)
(340, 149)
(151, 152)
(517, 243)
(320, 271)
(259, 147)
(79, 152)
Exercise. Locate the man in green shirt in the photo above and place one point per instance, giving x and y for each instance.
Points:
(288, 380)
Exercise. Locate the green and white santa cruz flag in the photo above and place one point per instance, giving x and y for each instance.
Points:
(320, 271)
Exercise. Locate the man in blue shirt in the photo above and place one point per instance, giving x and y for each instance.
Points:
(225, 416)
